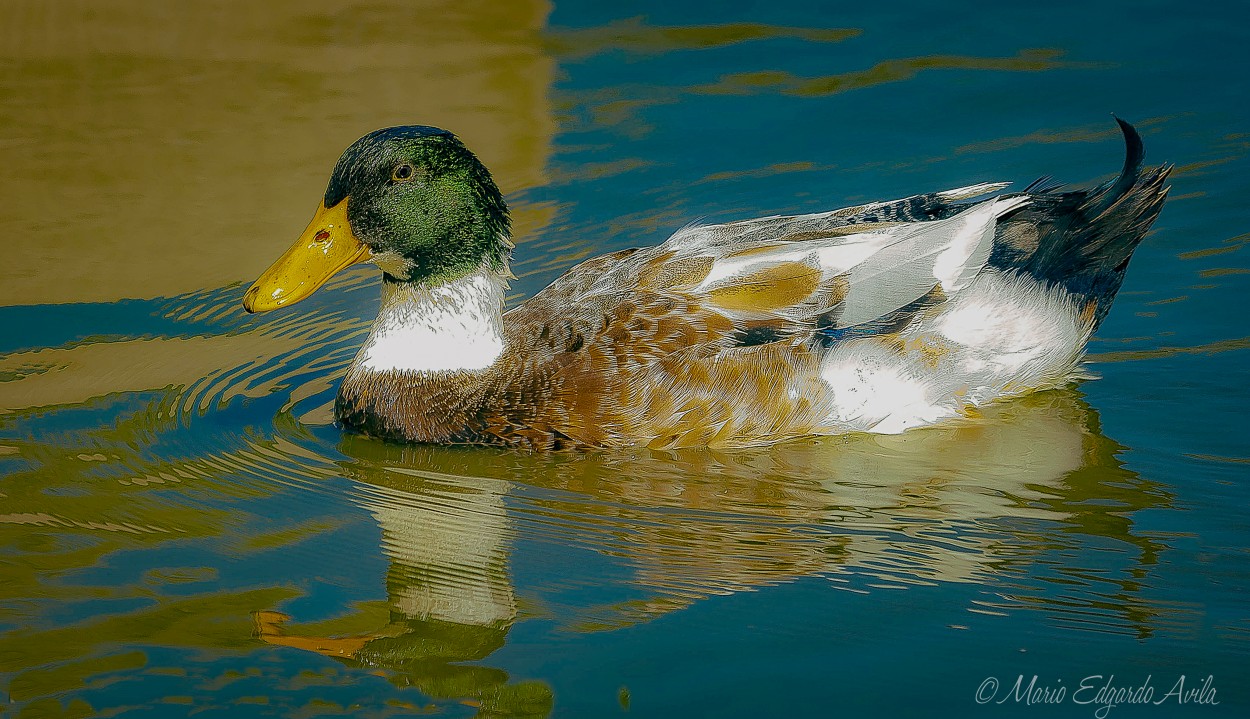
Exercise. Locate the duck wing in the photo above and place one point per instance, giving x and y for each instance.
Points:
(770, 279)
(712, 319)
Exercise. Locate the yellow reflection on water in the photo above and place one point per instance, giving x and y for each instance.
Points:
(1028, 60)
(636, 36)
(153, 149)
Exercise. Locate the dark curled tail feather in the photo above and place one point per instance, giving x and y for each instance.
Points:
(1082, 240)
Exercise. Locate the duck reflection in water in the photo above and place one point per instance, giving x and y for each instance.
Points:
(999, 500)
(449, 594)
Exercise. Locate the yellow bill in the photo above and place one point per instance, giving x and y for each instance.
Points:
(325, 248)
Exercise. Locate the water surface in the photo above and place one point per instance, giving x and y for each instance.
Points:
(185, 532)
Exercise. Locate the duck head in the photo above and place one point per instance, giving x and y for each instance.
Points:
(412, 200)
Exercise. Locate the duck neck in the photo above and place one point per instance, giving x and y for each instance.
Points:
(454, 326)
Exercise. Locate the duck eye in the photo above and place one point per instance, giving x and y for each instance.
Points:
(402, 172)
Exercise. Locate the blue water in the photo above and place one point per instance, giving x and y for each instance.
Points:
(185, 533)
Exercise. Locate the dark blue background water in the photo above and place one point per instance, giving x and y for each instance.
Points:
(153, 528)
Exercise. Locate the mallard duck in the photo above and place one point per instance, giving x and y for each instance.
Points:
(875, 318)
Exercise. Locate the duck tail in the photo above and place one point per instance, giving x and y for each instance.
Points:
(1083, 240)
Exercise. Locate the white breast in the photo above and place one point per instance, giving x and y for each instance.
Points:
(456, 326)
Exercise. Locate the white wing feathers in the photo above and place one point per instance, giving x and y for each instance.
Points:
(872, 273)
(921, 255)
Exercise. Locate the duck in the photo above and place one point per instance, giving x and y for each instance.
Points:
(876, 318)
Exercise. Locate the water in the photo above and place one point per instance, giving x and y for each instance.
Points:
(185, 532)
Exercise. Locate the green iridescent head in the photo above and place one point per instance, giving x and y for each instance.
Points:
(413, 200)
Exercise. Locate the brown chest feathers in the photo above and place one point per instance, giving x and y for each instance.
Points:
(561, 388)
